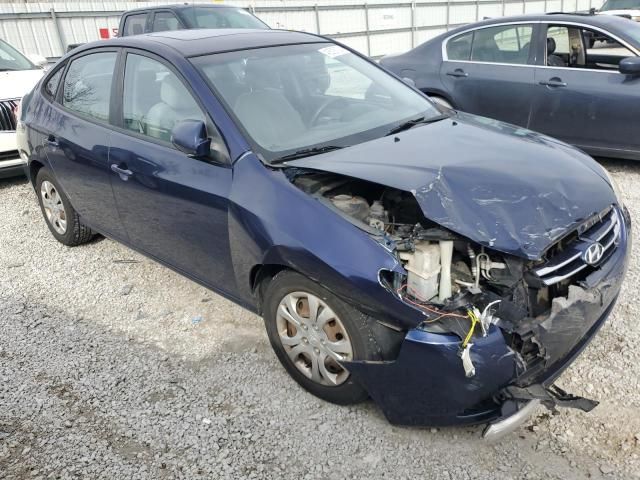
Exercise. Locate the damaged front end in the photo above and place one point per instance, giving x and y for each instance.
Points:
(497, 328)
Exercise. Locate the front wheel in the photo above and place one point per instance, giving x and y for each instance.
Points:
(313, 332)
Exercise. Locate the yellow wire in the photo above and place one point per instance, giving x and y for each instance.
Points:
(474, 320)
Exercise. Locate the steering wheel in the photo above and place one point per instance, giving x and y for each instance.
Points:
(323, 106)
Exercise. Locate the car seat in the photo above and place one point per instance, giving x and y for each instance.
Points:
(553, 60)
(175, 106)
(265, 111)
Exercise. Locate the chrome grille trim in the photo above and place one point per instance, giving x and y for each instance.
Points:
(569, 262)
(7, 118)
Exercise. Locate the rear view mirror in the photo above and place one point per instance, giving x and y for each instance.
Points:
(630, 66)
(190, 137)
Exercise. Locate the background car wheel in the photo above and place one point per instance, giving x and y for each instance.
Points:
(312, 331)
(441, 101)
(62, 220)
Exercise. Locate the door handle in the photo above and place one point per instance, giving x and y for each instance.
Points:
(458, 73)
(51, 140)
(554, 83)
(124, 173)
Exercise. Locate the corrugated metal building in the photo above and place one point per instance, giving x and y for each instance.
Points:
(378, 28)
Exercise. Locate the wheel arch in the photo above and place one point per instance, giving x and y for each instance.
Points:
(34, 167)
(439, 93)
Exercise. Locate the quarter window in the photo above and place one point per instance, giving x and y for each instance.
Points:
(155, 99)
(51, 86)
(459, 48)
(87, 85)
(503, 44)
(134, 24)
(163, 21)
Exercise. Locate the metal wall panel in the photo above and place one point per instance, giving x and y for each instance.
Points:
(377, 28)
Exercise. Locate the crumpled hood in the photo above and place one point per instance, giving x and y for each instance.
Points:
(15, 84)
(502, 186)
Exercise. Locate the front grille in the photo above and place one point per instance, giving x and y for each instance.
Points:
(7, 118)
(564, 264)
(9, 155)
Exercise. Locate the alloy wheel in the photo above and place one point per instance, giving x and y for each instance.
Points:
(314, 338)
(53, 207)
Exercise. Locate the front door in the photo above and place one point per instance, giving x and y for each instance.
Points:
(581, 97)
(174, 207)
(77, 139)
(489, 71)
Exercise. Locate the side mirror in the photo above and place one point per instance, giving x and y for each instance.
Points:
(630, 66)
(37, 60)
(190, 137)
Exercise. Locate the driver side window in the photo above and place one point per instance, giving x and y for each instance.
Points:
(155, 99)
(576, 47)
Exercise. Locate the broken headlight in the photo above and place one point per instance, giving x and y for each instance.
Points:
(616, 188)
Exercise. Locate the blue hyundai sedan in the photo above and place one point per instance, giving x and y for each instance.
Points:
(449, 266)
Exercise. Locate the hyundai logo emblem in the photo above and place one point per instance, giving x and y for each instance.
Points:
(593, 254)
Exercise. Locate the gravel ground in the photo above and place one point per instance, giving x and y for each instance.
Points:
(112, 367)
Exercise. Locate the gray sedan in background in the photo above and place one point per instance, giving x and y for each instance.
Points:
(539, 72)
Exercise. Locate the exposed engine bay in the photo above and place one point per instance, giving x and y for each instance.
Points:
(459, 286)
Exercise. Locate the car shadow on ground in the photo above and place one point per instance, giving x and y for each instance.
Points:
(12, 182)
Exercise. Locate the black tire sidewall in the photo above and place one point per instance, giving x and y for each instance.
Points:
(67, 238)
(354, 322)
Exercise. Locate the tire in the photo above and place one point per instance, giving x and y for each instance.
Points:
(347, 326)
(441, 101)
(63, 221)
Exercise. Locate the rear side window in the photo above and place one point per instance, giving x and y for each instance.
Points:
(51, 87)
(459, 48)
(163, 21)
(134, 24)
(87, 85)
(221, 17)
(504, 44)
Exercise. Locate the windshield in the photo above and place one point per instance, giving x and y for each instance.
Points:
(620, 5)
(12, 59)
(313, 96)
(221, 17)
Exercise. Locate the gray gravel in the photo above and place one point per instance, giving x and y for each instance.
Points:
(112, 367)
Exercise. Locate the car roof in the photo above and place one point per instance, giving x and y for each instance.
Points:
(177, 6)
(195, 42)
(584, 18)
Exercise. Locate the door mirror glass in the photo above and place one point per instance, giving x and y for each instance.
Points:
(190, 137)
(630, 66)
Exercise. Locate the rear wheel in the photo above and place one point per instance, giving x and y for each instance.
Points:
(62, 220)
(313, 332)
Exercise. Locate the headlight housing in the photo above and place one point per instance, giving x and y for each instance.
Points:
(616, 188)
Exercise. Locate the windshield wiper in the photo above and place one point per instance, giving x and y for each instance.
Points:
(306, 152)
(416, 121)
(8, 69)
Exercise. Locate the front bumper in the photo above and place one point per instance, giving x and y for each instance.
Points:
(11, 164)
(426, 384)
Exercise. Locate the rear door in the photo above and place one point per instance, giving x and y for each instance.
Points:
(77, 135)
(581, 97)
(489, 71)
(173, 207)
